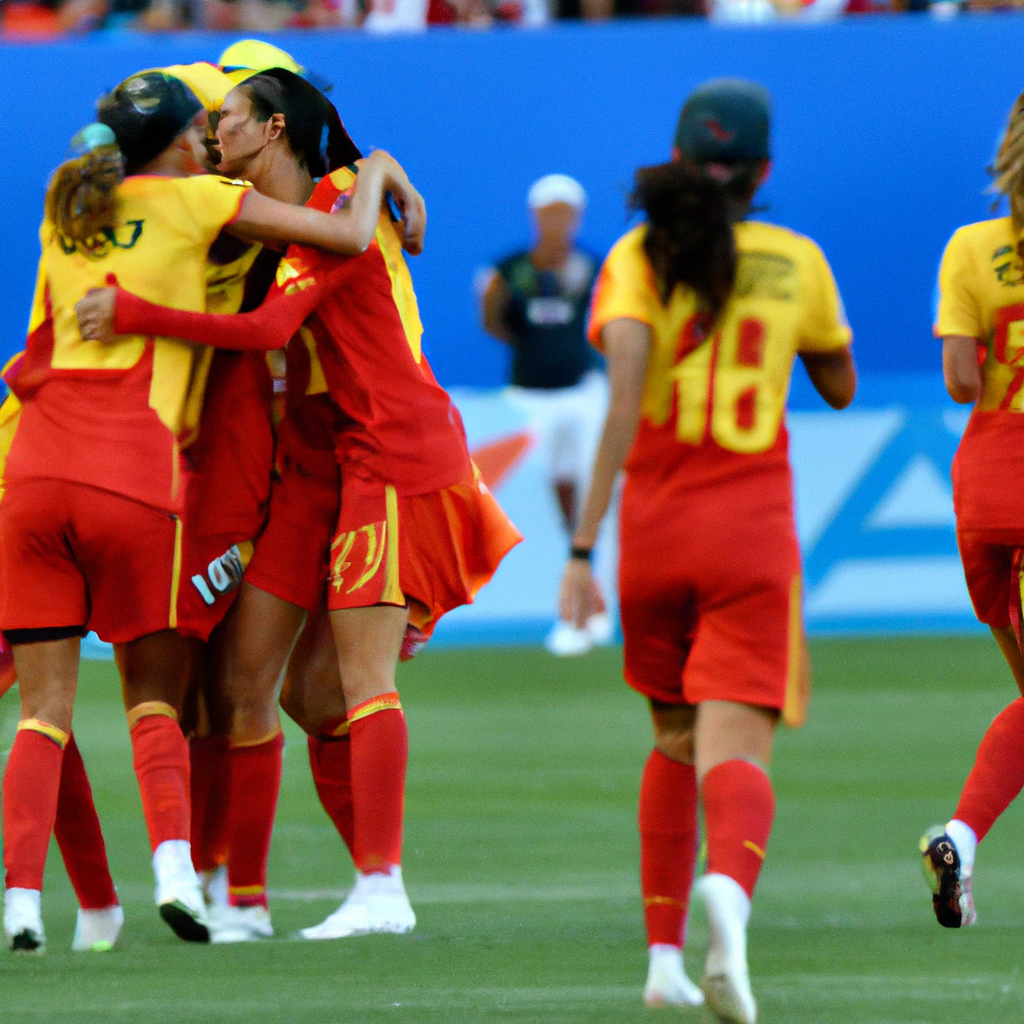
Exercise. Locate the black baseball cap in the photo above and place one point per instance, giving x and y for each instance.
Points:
(724, 121)
(147, 112)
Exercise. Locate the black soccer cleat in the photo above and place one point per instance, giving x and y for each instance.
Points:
(184, 922)
(27, 941)
(950, 885)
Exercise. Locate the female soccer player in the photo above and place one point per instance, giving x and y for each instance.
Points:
(699, 313)
(368, 432)
(981, 322)
(90, 531)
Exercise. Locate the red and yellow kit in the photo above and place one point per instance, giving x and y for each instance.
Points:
(981, 296)
(103, 425)
(397, 439)
(716, 615)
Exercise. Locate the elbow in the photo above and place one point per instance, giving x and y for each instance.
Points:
(963, 392)
(842, 395)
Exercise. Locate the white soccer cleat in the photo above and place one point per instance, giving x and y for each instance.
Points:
(215, 886)
(179, 896)
(96, 931)
(240, 924)
(600, 629)
(377, 903)
(726, 981)
(667, 983)
(566, 641)
(23, 920)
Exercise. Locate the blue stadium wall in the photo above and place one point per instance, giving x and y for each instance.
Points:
(883, 130)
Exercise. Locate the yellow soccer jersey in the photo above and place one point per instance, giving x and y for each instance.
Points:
(732, 384)
(981, 295)
(158, 250)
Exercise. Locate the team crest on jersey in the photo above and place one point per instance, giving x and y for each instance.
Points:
(1007, 266)
(105, 242)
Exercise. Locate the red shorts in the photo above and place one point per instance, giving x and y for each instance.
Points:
(710, 600)
(436, 550)
(991, 560)
(212, 568)
(73, 555)
(291, 557)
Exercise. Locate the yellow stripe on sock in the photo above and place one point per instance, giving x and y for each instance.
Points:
(236, 744)
(753, 846)
(147, 709)
(340, 730)
(385, 702)
(246, 890)
(59, 736)
(663, 901)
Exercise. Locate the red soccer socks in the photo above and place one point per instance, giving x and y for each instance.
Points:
(31, 787)
(380, 750)
(79, 836)
(210, 766)
(255, 784)
(738, 810)
(330, 758)
(998, 773)
(161, 766)
(668, 846)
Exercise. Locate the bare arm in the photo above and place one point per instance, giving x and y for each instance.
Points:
(494, 308)
(627, 346)
(350, 230)
(833, 375)
(960, 368)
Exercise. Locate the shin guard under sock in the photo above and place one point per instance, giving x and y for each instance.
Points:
(380, 750)
(739, 807)
(210, 768)
(160, 754)
(31, 787)
(998, 773)
(668, 846)
(330, 758)
(255, 784)
(79, 836)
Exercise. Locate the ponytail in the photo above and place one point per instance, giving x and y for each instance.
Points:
(81, 200)
(1008, 167)
(689, 236)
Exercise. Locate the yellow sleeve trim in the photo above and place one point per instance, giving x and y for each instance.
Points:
(59, 736)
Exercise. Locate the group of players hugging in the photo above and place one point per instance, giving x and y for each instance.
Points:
(227, 455)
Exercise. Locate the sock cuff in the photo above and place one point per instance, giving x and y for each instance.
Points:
(59, 736)
(383, 702)
(150, 709)
(333, 729)
(742, 765)
(275, 734)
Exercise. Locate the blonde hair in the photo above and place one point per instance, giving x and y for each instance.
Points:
(1008, 167)
(81, 200)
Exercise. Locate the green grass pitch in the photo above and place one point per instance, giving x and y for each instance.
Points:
(521, 860)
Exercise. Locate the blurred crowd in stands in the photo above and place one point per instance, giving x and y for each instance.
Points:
(21, 19)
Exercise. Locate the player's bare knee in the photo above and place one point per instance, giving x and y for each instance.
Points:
(673, 730)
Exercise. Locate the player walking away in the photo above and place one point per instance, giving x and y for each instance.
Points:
(981, 322)
(700, 313)
(536, 302)
(90, 525)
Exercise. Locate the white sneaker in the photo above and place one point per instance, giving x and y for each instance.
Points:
(566, 641)
(240, 924)
(667, 983)
(377, 903)
(600, 629)
(97, 930)
(23, 920)
(179, 895)
(215, 886)
(726, 981)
